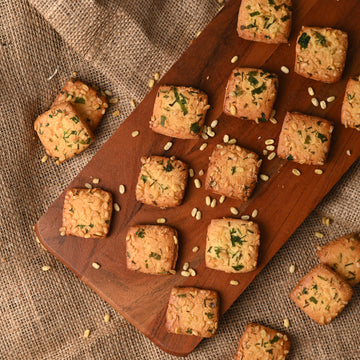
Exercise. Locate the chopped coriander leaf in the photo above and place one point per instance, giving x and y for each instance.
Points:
(255, 13)
(181, 101)
(274, 339)
(271, 2)
(143, 178)
(238, 267)
(313, 300)
(79, 100)
(322, 137)
(285, 18)
(251, 79)
(169, 167)
(189, 331)
(75, 119)
(195, 127)
(236, 239)
(155, 256)
(181, 295)
(289, 157)
(162, 120)
(259, 89)
(307, 139)
(262, 118)
(321, 39)
(140, 233)
(304, 40)
(209, 315)
(233, 170)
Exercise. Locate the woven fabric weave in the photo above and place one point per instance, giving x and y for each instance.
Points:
(118, 46)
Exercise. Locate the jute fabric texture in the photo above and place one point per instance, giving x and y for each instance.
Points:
(118, 46)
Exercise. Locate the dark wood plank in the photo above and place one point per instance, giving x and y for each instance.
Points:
(283, 202)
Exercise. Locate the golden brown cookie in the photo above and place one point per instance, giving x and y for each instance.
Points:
(350, 111)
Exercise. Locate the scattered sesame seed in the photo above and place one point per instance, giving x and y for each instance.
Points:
(62, 229)
(264, 177)
(197, 183)
(173, 272)
(232, 110)
(271, 156)
(96, 180)
(318, 171)
(191, 172)
(208, 200)
(186, 266)
(193, 212)
(273, 120)
(285, 70)
(326, 221)
(311, 91)
(203, 147)
(95, 265)
(210, 132)
(198, 33)
(61, 234)
(208, 77)
(255, 213)
(161, 220)
(133, 103)
(286, 323)
(315, 101)
(122, 189)
(318, 234)
(330, 99)
(107, 318)
(195, 249)
(168, 146)
(323, 104)
(44, 158)
(234, 59)
(232, 141)
(226, 138)
(45, 268)
(192, 272)
(116, 207)
(234, 282)
(213, 203)
(296, 172)
(348, 152)
(222, 199)
(135, 133)
(116, 113)
(204, 136)
(207, 107)
(265, 152)
(201, 172)
(270, 147)
(292, 269)
(214, 123)
(245, 217)
(151, 83)
(175, 240)
(156, 76)
(113, 100)
(86, 333)
(234, 210)
(198, 215)
(185, 273)
(88, 185)
(269, 141)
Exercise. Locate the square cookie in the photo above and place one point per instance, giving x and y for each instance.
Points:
(350, 111)
(87, 213)
(262, 343)
(305, 139)
(179, 112)
(63, 132)
(152, 249)
(268, 21)
(232, 245)
(161, 181)
(233, 171)
(250, 94)
(321, 53)
(88, 102)
(322, 294)
(193, 311)
(343, 256)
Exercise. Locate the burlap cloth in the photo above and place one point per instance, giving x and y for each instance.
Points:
(118, 45)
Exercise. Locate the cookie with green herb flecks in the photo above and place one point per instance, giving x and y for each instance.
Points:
(193, 311)
(63, 132)
(350, 111)
(250, 94)
(152, 249)
(305, 139)
(179, 112)
(232, 245)
(267, 21)
(161, 181)
(321, 53)
(322, 294)
(87, 212)
(262, 343)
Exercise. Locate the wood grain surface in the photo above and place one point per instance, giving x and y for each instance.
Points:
(283, 202)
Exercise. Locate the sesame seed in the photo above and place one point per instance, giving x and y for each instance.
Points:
(286, 323)
(185, 273)
(208, 77)
(318, 234)
(214, 123)
(311, 91)
(108, 92)
(88, 185)
(116, 113)
(348, 152)
(151, 83)
(207, 107)
(204, 136)
(133, 103)
(198, 215)
(210, 132)
(208, 200)
(318, 171)
(191, 172)
(201, 172)
(296, 172)
(156, 76)
(330, 99)
(269, 141)
(173, 272)
(213, 203)
(116, 207)
(234, 210)
(292, 269)
(186, 266)
(226, 138)
(175, 240)
(222, 199)
(203, 147)
(197, 183)
(96, 180)
(107, 318)
(86, 333)
(192, 272)
(161, 220)
(232, 141)
(234, 282)
(232, 110)
(271, 156)
(62, 233)
(135, 133)
(315, 101)
(195, 249)
(113, 100)
(62, 229)
(45, 268)
(168, 146)
(264, 177)
(326, 221)
(273, 120)
(255, 213)
(122, 189)
(44, 158)
(193, 212)
(323, 104)
(245, 217)
(270, 147)
(95, 265)
(285, 70)
(234, 59)
(265, 152)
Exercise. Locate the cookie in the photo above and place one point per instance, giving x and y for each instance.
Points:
(232, 245)
(321, 53)
(63, 132)
(179, 112)
(87, 212)
(233, 171)
(89, 103)
(262, 343)
(267, 21)
(305, 139)
(152, 249)
(350, 111)
(250, 94)
(343, 256)
(322, 294)
(193, 311)
(161, 181)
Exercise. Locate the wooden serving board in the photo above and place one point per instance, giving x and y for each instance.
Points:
(283, 202)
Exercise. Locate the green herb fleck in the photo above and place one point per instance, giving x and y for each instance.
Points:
(143, 178)
(307, 139)
(262, 118)
(255, 13)
(140, 233)
(285, 18)
(181, 101)
(289, 157)
(155, 256)
(189, 331)
(162, 121)
(233, 170)
(182, 295)
(313, 300)
(321, 39)
(195, 127)
(209, 315)
(79, 100)
(304, 40)
(237, 267)
(274, 339)
(322, 137)
(259, 89)
(169, 167)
